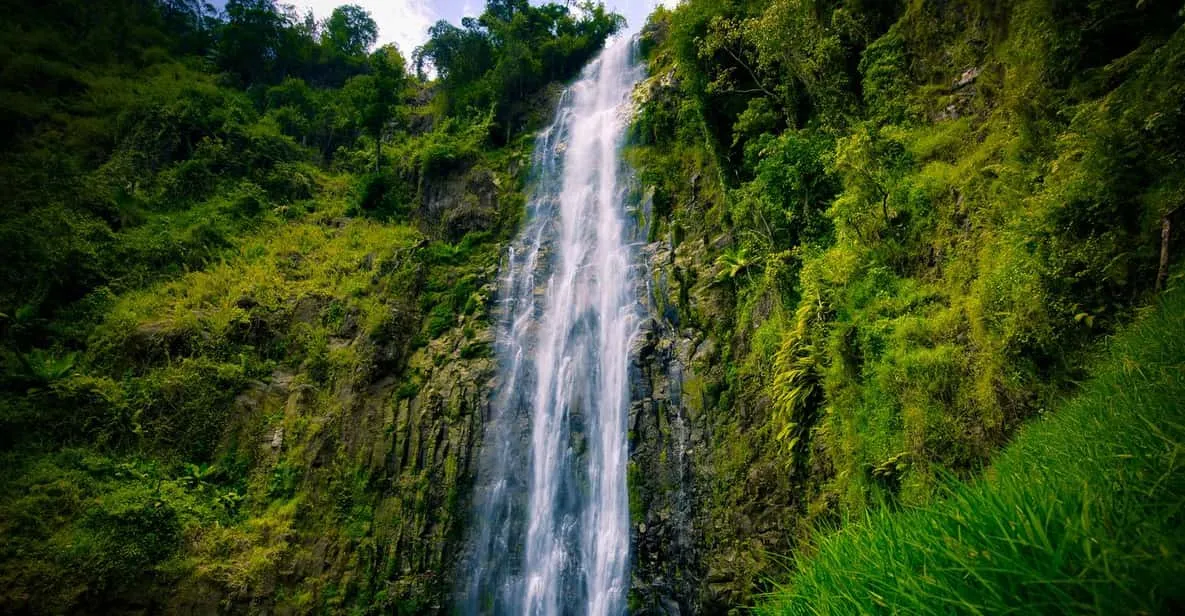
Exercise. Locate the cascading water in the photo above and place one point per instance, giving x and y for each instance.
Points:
(551, 510)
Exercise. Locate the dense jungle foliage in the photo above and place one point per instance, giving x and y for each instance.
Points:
(923, 256)
(246, 257)
(908, 226)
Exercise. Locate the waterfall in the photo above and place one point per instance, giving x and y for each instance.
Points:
(550, 533)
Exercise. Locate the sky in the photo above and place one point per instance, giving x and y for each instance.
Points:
(406, 22)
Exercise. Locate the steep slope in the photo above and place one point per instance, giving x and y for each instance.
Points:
(245, 294)
(884, 236)
(1080, 514)
(247, 268)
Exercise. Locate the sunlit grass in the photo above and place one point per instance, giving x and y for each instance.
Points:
(1081, 514)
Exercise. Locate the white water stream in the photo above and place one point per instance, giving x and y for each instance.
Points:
(550, 534)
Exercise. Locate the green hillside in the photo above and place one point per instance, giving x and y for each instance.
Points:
(1082, 513)
(247, 260)
(914, 340)
(897, 233)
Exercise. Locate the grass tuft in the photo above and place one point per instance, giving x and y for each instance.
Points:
(1082, 513)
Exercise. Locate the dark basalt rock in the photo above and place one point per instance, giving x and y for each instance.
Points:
(464, 201)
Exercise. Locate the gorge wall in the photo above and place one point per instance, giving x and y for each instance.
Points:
(247, 316)
(863, 224)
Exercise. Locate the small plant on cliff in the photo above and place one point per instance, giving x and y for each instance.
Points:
(734, 262)
(796, 378)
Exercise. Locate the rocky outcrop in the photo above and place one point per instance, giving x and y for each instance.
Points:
(464, 201)
(710, 496)
(359, 460)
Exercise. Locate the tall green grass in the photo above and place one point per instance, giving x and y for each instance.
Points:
(1083, 513)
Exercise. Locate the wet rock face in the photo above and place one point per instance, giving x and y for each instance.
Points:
(428, 461)
(715, 498)
(358, 474)
(663, 490)
(381, 480)
(464, 201)
(664, 464)
(711, 496)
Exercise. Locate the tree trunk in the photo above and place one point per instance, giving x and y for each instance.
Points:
(1166, 231)
(378, 151)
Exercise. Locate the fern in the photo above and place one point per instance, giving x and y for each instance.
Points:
(46, 367)
(796, 377)
(733, 263)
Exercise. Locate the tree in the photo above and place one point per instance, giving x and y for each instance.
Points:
(457, 55)
(349, 31)
(296, 50)
(503, 10)
(251, 39)
(191, 22)
(513, 49)
(379, 93)
(869, 164)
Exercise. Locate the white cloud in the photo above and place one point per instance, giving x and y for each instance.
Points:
(403, 22)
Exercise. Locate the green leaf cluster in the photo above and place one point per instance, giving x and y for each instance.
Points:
(928, 215)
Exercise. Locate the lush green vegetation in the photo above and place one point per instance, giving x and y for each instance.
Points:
(1081, 514)
(907, 225)
(496, 61)
(247, 259)
(247, 262)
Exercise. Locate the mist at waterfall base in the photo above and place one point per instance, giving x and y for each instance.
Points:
(550, 527)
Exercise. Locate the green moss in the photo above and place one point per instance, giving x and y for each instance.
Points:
(637, 502)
